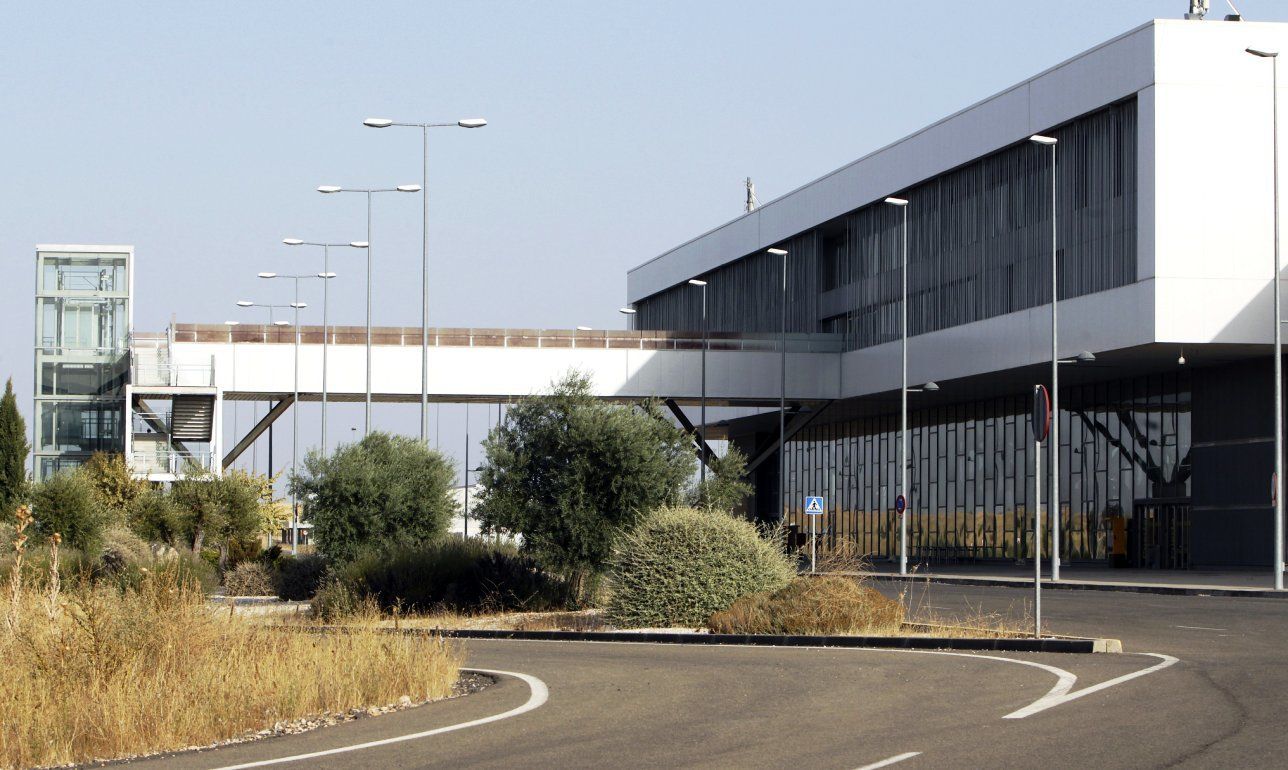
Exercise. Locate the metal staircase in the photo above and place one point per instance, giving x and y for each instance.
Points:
(192, 418)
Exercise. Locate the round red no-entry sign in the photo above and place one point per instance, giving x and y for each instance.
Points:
(1041, 417)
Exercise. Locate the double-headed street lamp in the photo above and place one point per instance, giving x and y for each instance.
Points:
(368, 191)
(782, 390)
(1276, 494)
(702, 453)
(424, 300)
(296, 306)
(326, 330)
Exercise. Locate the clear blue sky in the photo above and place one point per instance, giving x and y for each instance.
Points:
(198, 132)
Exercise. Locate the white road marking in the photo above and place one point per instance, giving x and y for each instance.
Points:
(1065, 683)
(1201, 628)
(539, 695)
(891, 760)
(1057, 695)
(1051, 700)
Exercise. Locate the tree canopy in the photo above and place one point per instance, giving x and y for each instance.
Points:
(217, 509)
(569, 472)
(13, 451)
(726, 487)
(381, 493)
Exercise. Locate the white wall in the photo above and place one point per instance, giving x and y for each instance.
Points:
(1213, 173)
(491, 372)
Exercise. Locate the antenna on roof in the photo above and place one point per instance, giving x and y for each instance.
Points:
(752, 203)
(1198, 9)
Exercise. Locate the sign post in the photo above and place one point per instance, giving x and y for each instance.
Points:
(814, 507)
(1040, 422)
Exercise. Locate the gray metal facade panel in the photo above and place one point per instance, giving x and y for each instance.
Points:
(978, 247)
(1107, 73)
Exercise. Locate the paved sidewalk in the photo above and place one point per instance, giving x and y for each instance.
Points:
(1253, 583)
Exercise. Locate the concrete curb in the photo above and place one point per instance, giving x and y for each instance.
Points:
(776, 640)
(1064, 585)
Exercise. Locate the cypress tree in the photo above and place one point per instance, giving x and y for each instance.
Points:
(13, 451)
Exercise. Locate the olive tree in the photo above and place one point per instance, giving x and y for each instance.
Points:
(381, 493)
(569, 472)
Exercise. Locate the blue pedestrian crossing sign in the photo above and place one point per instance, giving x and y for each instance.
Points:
(814, 506)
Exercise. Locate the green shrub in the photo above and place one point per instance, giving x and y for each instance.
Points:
(462, 575)
(249, 578)
(826, 605)
(297, 578)
(570, 472)
(383, 492)
(154, 517)
(679, 565)
(66, 503)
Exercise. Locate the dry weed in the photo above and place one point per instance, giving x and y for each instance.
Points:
(823, 605)
(90, 671)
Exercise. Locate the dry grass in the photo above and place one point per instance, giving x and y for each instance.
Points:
(824, 605)
(95, 672)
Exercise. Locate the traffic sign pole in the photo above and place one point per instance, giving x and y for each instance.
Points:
(813, 544)
(1040, 422)
(1037, 539)
(814, 507)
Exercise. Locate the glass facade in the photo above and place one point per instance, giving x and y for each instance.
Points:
(82, 356)
(979, 241)
(971, 471)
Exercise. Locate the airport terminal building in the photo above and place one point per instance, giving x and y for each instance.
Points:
(1164, 180)
(1164, 249)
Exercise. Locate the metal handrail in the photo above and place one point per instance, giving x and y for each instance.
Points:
(507, 338)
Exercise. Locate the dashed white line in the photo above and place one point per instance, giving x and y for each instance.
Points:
(891, 760)
(539, 694)
(1201, 628)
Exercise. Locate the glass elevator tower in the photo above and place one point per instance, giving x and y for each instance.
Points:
(83, 320)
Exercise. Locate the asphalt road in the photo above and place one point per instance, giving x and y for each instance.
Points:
(639, 705)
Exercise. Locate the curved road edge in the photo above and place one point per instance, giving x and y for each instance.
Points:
(539, 694)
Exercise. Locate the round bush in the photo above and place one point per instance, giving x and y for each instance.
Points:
(679, 565)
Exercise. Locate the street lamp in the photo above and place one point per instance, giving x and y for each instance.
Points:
(296, 307)
(245, 303)
(1054, 444)
(629, 312)
(328, 189)
(702, 453)
(424, 297)
(902, 205)
(1273, 56)
(326, 329)
(782, 391)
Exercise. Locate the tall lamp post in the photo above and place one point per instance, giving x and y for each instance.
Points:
(702, 453)
(326, 329)
(327, 189)
(1273, 56)
(1054, 444)
(270, 308)
(902, 205)
(424, 246)
(296, 306)
(782, 389)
